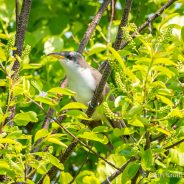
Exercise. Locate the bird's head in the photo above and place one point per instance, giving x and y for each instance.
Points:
(70, 59)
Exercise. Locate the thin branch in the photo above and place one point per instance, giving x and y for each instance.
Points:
(117, 173)
(175, 144)
(151, 19)
(124, 21)
(92, 26)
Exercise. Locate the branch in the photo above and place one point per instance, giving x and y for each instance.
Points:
(146, 24)
(117, 173)
(92, 26)
(124, 21)
(175, 144)
(98, 91)
(20, 34)
(21, 25)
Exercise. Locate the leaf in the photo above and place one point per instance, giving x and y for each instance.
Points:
(177, 157)
(65, 177)
(95, 137)
(164, 131)
(77, 114)
(3, 82)
(99, 129)
(55, 141)
(164, 61)
(23, 118)
(45, 100)
(117, 57)
(136, 122)
(62, 91)
(55, 161)
(136, 109)
(31, 66)
(124, 131)
(40, 134)
(52, 159)
(129, 172)
(163, 71)
(46, 180)
(147, 159)
(165, 100)
(74, 105)
(98, 47)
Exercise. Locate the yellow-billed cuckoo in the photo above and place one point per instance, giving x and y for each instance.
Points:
(82, 78)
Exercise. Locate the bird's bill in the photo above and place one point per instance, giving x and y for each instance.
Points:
(56, 55)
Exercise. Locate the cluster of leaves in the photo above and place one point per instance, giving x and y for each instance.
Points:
(147, 81)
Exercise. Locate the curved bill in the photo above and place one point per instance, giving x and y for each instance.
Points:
(57, 55)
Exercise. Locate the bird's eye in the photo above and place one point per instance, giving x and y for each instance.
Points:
(69, 57)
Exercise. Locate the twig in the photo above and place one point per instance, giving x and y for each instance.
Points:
(151, 19)
(117, 173)
(124, 21)
(92, 26)
(175, 144)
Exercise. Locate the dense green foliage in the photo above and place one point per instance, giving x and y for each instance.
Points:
(147, 80)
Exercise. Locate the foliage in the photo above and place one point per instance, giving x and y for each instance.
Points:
(147, 81)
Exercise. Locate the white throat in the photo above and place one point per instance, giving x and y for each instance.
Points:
(80, 80)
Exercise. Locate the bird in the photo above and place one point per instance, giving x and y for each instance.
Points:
(83, 80)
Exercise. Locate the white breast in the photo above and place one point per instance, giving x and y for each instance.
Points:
(81, 81)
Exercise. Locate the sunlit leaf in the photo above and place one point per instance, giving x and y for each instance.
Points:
(23, 118)
(74, 105)
(95, 137)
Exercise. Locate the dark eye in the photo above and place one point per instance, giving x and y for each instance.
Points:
(69, 57)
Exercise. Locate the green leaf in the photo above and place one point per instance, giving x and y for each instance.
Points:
(147, 159)
(55, 141)
(124, 131)
(23, 118)
(117, 57)
(136, 122)
(98, 47)
(164, 61)
(177, 157)
(165, 100)
(137, 109)
(40, 134)
(62, 91)
(166, 132)
(45, 100)
(74, 105)
(129, 172)
(52, 159)
(77, 114)
(46, 180)
(65, 177)
(31, 66)
(99, 129)
(95, 137)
